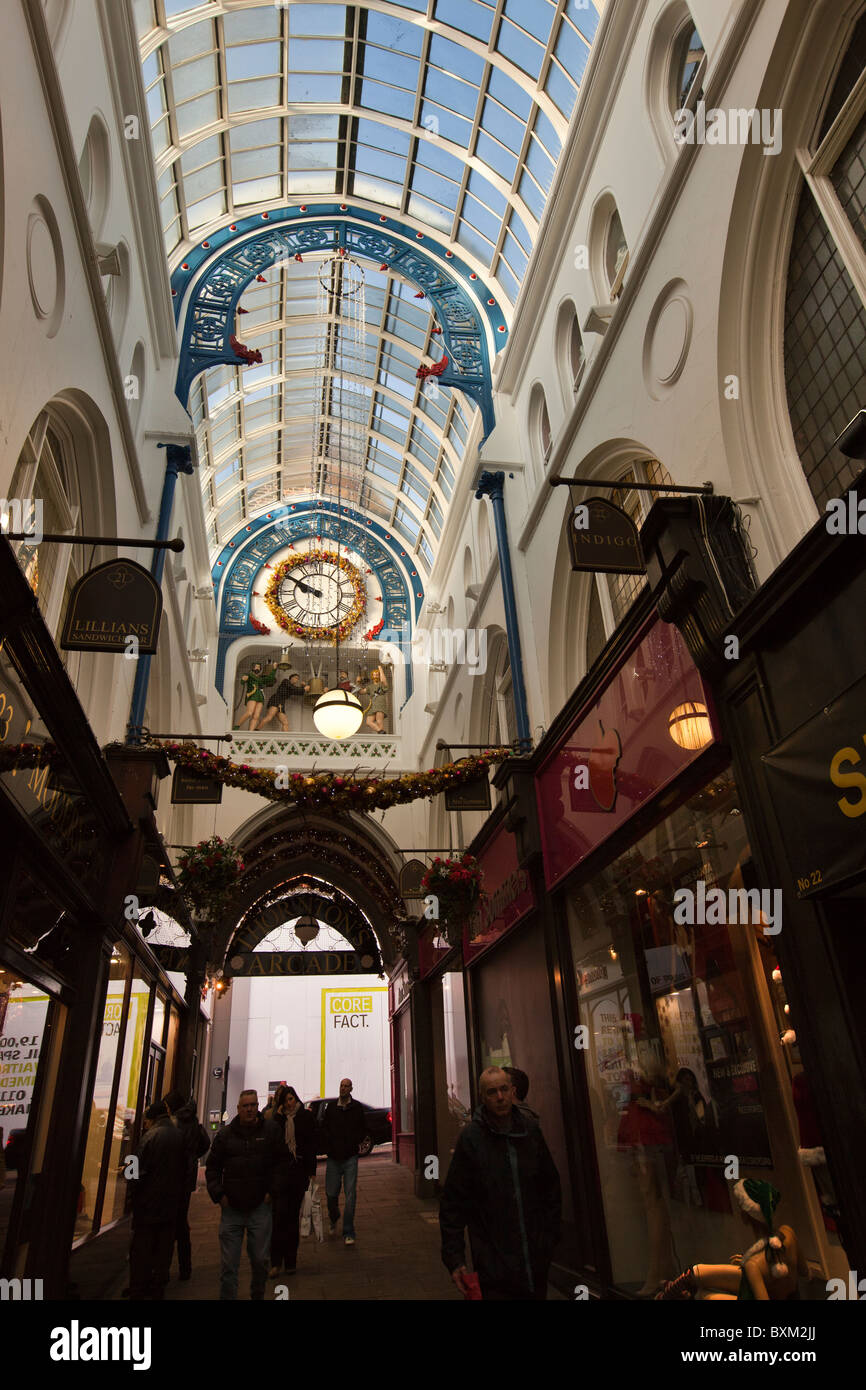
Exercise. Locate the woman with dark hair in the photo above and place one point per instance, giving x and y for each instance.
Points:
(295, 1167)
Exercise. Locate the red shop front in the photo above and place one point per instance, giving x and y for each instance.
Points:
(670, 999)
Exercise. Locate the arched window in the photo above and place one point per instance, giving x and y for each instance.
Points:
(615, 593)
(825, 317)
(615, 254)
(576, 352)
(687, 69)
(46, 471)
(467, 572)
(93, 171)
(498, 724)
(608, 251)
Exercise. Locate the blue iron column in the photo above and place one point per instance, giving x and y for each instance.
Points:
(178, 460)
(492, 485)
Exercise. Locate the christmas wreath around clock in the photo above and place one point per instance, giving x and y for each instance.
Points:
(317, 634)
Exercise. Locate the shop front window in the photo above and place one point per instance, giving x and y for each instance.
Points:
(450, 1064)
(115, 1097)
(689, 1085)
(101, 1101)
(24, 1012)
(407, 1085)
(516, 1030)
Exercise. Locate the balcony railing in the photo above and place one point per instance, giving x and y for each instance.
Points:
(270, 750)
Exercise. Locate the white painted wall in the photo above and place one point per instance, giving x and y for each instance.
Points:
(278, 1029)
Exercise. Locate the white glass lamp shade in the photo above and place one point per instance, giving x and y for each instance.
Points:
(689, 726)
(338, 714)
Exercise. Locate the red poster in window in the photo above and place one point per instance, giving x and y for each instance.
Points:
(652, 720)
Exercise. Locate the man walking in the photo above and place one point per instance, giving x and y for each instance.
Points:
(520, 1082)
(343, 1128)
(240, 1175)
(157, 1192)
(196, 1143)
(503, 1185)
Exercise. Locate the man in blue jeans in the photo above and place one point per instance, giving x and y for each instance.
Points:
(240, 1174)
(343, 1128)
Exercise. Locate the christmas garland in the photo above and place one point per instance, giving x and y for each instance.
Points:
(317, 634)
(312, 791)
(328, 789)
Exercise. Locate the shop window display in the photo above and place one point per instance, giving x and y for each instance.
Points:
(690, 1089)
(23, 1019)
(117, 1118)
(516, 1030)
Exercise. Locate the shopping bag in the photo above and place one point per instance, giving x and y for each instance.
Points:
(306, 1212)
(316, 1210)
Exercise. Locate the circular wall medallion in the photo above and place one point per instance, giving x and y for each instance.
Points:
(45, 270)
(668, 339)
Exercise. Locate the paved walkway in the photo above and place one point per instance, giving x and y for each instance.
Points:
(396, 1255)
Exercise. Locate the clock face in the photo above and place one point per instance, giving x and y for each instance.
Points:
(317, 594)
(320, 595)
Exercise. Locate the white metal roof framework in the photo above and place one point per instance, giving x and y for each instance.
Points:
(447, 113)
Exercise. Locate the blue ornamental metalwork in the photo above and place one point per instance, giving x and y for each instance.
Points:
(241, 559)
(210, 311)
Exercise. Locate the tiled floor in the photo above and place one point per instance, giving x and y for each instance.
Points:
(396, 1255)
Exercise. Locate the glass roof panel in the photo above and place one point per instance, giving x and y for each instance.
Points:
(456, 131)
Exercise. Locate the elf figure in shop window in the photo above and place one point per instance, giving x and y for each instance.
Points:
(768, 1272)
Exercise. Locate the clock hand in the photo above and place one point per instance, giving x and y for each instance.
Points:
(307, 588)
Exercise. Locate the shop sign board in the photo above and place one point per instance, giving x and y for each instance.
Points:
(411, 875)
(509, 895)
(619, 752)
(471, 796)
(111, 604)
(817, 780)
(275, 963)
(191, 789)
(604, 539)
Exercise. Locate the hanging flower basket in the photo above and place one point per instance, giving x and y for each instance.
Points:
(207, 874)
(457, 885)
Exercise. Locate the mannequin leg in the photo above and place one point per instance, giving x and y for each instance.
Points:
(719, 1277)
(658, 1224)
(271, 714)
(257, 714)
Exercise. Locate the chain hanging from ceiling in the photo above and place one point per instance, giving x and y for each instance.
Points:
(340, 420)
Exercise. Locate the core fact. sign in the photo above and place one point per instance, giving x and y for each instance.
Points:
(111, 604)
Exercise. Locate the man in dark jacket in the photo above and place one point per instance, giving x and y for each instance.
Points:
(240, 1179)
(343, 1128)
(157, 1179)
(196, 1143)
(503, 1185)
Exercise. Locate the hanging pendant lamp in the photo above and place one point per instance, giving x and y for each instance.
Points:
(338, 714)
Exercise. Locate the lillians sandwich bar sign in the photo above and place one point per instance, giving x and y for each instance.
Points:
(622, 749)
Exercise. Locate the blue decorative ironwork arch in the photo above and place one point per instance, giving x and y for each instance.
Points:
(235, 569)
(208, 304)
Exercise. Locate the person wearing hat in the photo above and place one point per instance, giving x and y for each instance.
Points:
(768, 1272)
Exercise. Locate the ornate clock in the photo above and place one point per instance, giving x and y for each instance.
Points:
(318, 596)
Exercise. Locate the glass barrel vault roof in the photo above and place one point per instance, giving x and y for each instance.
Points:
(450, 114)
